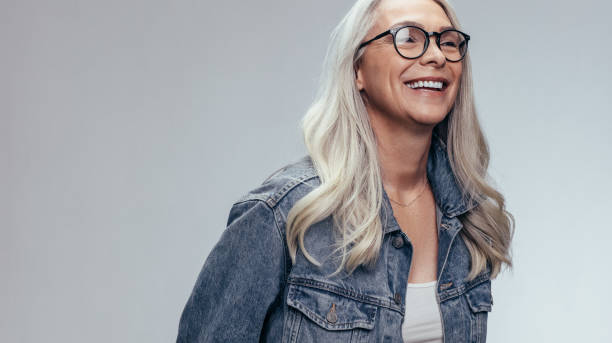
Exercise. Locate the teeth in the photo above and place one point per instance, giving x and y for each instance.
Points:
(428, 84)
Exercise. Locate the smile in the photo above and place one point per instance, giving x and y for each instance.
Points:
(427, 88)
(428, 84)
(425, 84)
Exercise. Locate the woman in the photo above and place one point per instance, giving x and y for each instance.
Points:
(387, 231)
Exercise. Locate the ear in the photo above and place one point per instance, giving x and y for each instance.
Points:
(359, 77)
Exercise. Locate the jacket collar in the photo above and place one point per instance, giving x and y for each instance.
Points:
(446, 191)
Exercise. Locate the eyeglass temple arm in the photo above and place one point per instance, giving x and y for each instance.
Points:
(375, 38)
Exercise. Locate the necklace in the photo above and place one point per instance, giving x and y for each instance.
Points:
(411, 201)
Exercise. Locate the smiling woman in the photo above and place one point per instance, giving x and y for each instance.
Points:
(387, 231)
(395, 83)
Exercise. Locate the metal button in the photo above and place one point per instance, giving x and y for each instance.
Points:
(398, 242)
(398, 298)
(332, 317)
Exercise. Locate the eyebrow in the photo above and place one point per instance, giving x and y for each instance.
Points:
(414, 23)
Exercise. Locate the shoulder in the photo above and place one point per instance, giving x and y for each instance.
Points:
(260, 214)
(287, 184)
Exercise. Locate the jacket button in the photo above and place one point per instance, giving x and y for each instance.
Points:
(332, 317)
(398, 242)
(398, 298)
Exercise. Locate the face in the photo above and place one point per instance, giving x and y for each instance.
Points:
(383, 75)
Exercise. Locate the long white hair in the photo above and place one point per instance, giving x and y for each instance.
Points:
(341, 144)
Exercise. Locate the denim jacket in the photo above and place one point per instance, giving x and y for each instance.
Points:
(249, 291)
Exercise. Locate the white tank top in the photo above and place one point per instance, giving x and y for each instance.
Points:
(422, 320)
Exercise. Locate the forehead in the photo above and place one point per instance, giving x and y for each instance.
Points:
(426, 12)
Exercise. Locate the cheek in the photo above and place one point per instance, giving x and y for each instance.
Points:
(458, 71)
(376, 80)
(457, 75)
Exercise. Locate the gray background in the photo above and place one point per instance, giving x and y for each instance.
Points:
(128, 128)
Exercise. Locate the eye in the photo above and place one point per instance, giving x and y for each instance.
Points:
(451, 39)
(408, 36)
(449, 44)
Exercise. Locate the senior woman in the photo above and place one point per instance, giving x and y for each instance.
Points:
(388, 230)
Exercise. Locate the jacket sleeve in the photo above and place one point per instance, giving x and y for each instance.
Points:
(240, 279)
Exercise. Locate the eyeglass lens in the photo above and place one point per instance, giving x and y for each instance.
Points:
(410, 43)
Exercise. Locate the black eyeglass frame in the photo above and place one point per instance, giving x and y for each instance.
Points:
(393, 31)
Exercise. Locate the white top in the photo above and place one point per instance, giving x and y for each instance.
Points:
(422, 321)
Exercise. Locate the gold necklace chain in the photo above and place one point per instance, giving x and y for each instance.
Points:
(413, 200)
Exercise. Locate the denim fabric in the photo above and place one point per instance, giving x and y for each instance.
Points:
(248, 290)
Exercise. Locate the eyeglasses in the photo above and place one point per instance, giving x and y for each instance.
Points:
(412, 41)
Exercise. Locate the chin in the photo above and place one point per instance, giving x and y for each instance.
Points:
(430, 116)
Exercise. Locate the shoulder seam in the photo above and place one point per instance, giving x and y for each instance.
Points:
(283, 244)
(273, 190)
(274, 198)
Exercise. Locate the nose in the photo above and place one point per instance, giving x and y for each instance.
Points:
(433, 54)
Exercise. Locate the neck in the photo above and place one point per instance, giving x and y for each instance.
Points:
(403, 156)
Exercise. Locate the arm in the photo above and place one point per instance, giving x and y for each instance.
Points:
(239, 281)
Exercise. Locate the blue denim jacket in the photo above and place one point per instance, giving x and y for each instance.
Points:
(248, 290)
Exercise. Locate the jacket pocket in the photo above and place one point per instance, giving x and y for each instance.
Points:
(480, 302)
(319, 315)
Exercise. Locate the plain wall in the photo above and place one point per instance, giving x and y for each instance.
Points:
(128, 128)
